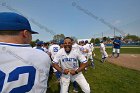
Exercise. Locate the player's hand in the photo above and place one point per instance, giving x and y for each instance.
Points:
(66, 71)
(72, 72)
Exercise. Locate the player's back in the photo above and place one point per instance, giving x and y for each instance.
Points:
(75, 46)
(89, 47)
(23, 69)
(102, 47)
(53, 49)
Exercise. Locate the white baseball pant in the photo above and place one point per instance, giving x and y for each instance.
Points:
(79, 78)
(116, 50)
(104, 54)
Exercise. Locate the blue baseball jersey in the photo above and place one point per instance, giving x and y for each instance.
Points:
(117, 44)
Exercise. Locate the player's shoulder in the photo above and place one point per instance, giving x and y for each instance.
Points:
(61, 50)
(38, 58)
(37, 54)
(75, 51)
(55, 45)
(85, 46)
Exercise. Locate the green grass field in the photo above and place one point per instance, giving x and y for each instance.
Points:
(108, 78)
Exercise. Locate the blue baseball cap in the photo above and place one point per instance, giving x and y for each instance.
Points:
(61, 42)
(40, 43)
(14, 22)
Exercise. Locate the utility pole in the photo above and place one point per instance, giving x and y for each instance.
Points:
(102, 35)
(94, 38)
(114, 32)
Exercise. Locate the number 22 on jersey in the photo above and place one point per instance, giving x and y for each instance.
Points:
(14, 75)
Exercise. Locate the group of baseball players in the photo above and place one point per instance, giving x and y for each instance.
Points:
(66, 57)
(24, 69)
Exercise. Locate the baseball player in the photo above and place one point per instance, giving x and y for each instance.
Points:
(116, 47)
(89, 54)
(69, 67)
(39, 45)
(92, 48)
(46, 47)
(53, 49)
(75, 46)
(61, 43)
(22, 68)
(83, 50)
(103, 51)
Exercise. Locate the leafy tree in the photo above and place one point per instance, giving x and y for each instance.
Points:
(33, 43)
(36, 40)
(92, 40)
(97, 41)
(132, 37)
(58, 37)
(104, 38)
(74, 38)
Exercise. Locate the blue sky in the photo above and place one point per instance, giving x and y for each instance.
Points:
(65, 16)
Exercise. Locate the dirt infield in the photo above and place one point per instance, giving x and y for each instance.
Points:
(127, 60)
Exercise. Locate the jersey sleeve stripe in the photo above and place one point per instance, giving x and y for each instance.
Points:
(84, 61)
(55, 62)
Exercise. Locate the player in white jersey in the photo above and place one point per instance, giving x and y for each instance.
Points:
(75, 46)
(103, 51)
(22, 68)
(89, 54)
(83, 49)
(53, 49)
(92, 46)
(70, 68)
(46, 47)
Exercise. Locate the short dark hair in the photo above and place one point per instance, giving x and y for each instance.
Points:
(68, 38)
(7, 32)
(86, 41)
(46, 44)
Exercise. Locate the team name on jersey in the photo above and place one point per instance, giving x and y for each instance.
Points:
(69, 60)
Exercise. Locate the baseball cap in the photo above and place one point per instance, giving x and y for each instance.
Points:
(82, 41)
(61, 42)
(101, 41)
(14, 22)
(86, 41)
(40, 43)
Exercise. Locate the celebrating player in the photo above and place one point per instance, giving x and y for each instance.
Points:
(70, 68)
(22, 68)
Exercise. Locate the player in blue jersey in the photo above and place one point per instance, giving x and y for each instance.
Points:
(116, 47)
